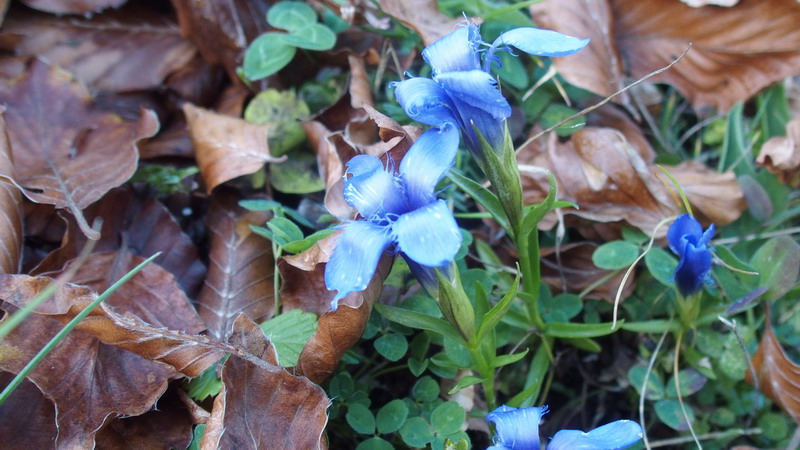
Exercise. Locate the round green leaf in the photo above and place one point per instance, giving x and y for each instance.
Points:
(416, 432)
(291, 15)
(669, 412)
(691, 381)
(392, 416)
(360, 419)
(777, 262)
(391, 346)
(296, 175)
(266, 55)
(560, 308)
(416, 366)
(448, 417)
(774, 426)
(661, 265)
(615, 255)
(289, 332)
(426, 389)
(375, 443)
(312, 37)
(655, 387)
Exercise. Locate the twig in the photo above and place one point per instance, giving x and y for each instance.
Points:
(605, 100)
(707, 436)
(644, 385)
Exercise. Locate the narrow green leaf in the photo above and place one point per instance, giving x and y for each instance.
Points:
(505, 360)
(483, 196)
(580, 330)
(587, 344)
(535, 214)
(533, 383)
(493, 317)
(467, 381)
(421, 321)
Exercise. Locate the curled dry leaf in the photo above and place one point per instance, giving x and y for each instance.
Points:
(778, 377)
(222, 30)
(735, 51)
(27, 418)
(701, 3)
(125, 50)
(422, 16)
(109, 365)
(168, 425)
(226, 147)
(262, 405)
(66, 152)
(598, 170)
(73, 6)
(781, 155)
(304, 288)
(241, 265)
(10, 209)
(573, 271)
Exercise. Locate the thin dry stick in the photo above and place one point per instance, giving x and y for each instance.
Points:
(678, 389)
(605, 100)
(644, 385)
(714, 435)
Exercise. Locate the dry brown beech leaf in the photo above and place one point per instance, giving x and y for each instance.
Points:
(168, 425)
(226, 147)
(10, 209)
(781, 155)
(73, 6)
(27, 418)
(598, 170)
(94, 372)
(141, 225)
(66, 152)
(222, 30)
(125, 50)
(241, 266)
(573, 271)
(263, 406)
(778, 377)
(422, 16)
(735, 51)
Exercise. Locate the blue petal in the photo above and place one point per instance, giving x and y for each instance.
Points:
(372, 190)
(685, 225)
(693, 268)
(455, 51)
(539, 42)
(492, 129)
(424, 101)
(517, 429)
(708, 234)
(476, 88)
(426, 162)
(355, 258)
(612, 436)
(428, 235)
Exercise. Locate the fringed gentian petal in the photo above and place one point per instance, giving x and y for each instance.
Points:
(476, 88)
(516, 429)
(684, 225)
(612, 436)
(372, 190)
(426, 162)
(428, 235)
(455, 51)
(425, 101)
(355, 258)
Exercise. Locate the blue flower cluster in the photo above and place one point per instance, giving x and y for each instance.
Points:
(462, 91)
(688, 240)
(518, 429)
(400, 209)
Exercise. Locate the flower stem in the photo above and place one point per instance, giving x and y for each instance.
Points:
(528, 247)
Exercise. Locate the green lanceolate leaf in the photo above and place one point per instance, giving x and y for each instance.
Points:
(481, 195)
(505, 360)
(493, 317)
(420, 321)
(455, 304)
(534, 381)
(500, 166)
(267, 55)
(536, 213)
(465, 382)
(312, 37)
(291, 15)
(580, 330)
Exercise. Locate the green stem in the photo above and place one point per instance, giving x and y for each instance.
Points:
(528, 247)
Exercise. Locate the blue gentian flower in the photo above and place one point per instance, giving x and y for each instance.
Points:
(518, 429)
(688, 240)
(462, 90)
(400, 210)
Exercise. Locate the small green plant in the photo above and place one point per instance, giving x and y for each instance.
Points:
(273, 50)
